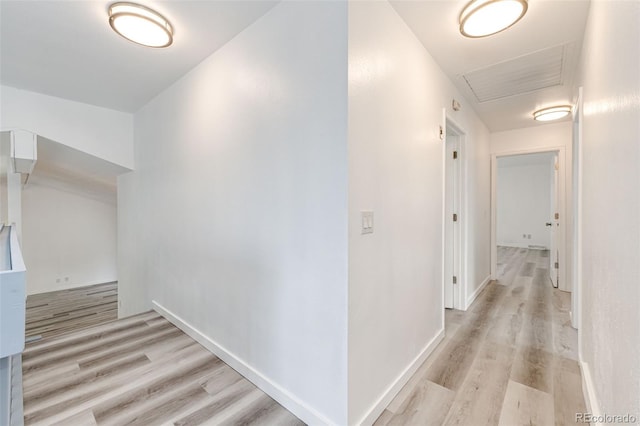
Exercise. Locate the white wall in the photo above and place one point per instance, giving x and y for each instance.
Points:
(523, 205)
(610, 329)
(538, 137)
(5, 148)
(476, 207)
(101, 132)
(396, 97)
(235, 219)
(68, 236)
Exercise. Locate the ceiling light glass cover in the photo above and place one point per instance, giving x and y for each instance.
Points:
(140, 24)
(481, 18)
(552, 113)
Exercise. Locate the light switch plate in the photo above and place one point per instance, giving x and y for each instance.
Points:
(367, 222)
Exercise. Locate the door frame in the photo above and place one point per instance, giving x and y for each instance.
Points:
(562, 210)
(449, 125)
(554, 177)
(576, 234)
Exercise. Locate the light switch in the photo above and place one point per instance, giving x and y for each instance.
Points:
(367, 222)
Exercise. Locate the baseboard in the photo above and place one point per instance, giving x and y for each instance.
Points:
(589, 390)
(16, 411)
(523, 245)
(303, 411)
(475, 294)
(516, 245)
(73, 286)
(374, 412)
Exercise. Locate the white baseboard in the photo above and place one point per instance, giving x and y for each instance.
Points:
(475, 294)
(589, 390)
(303, 411)
(517, 245)
(523, 245)
(374, 412)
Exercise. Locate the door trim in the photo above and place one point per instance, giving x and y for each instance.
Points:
(460, 290)
(576, 182)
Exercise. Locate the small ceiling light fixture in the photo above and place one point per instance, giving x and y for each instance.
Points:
(552, 113)
(140, 24)
(481, 18)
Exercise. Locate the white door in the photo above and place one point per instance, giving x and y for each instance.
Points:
(553, 221)
(452, 233)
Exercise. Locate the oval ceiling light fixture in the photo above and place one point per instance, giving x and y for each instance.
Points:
(552, 113)
(140, 24)
(481, 18)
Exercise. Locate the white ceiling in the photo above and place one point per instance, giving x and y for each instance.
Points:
(548, 23)
(65, 167)
(58, 159)
(67, 49)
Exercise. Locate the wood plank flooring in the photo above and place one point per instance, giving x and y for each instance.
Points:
(58, 312)
(140, 370)
(511, 359)
(89, 368)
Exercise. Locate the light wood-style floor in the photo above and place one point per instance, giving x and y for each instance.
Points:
(511, 359)
(58, 312)
(136, 371)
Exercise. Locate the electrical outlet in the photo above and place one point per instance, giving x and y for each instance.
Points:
(529, 236)
(524, 235)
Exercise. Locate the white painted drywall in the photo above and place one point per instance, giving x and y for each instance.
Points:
(476, 262)
(68, 235)
(610, 329)
(523, 204)
(396, 97)
(101, 132)
(235, 219)
(551, 135)
(5, 149)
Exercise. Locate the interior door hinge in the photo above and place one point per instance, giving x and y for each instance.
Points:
(455, 217)
(455, 155)
(455, 279)
(557, 216)
(556, 265)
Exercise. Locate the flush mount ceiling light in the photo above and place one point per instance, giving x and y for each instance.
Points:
(552, 113)
(481, 18)
(140, 24)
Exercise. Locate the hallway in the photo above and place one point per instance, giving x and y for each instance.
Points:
(511, 359)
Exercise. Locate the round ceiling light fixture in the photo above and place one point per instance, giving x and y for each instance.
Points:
(552, 113)
(481, 18)
(140, 24)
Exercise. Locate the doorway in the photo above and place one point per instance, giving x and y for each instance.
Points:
(532, 216)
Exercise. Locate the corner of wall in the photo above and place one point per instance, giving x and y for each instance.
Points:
(401, 380)
(476, 292)
(589, 390)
